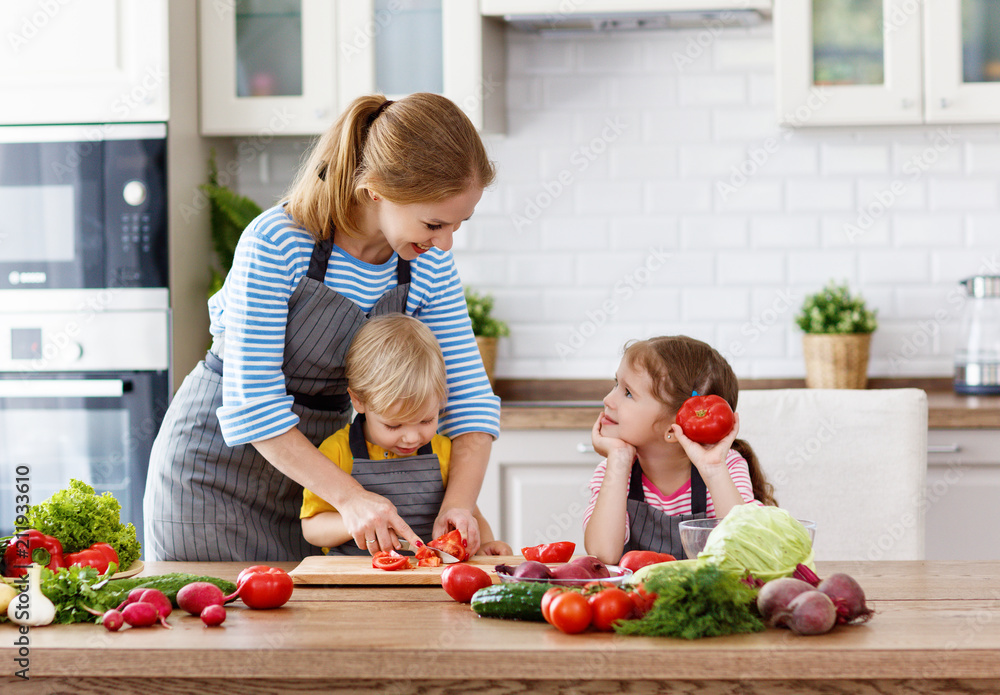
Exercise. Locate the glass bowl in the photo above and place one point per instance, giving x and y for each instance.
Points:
(619, 575)
(694, 533)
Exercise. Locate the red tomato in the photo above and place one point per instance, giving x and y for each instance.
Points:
(569, 612)
(642, 600)
(706, 419)
(547, 600)
(390, 561)
(452, 544)
(636, 559)
(561, 551)
(610, 606)
(461, 581)
(263, 587)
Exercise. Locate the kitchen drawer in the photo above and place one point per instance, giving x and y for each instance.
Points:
(963, 446)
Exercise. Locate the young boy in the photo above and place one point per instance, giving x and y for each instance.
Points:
(397, 384)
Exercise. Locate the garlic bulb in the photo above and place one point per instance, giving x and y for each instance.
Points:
(31, 607)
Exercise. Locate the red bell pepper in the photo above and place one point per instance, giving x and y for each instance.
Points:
(31, 546)
(98, 556)
(561, 551)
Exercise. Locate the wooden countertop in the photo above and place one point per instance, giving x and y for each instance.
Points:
(574, 404)
(937, 625)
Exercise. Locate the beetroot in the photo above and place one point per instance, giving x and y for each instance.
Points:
(848, 598)
(775, 595)
(811, 613)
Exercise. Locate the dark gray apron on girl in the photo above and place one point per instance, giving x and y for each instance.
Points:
(412, 483)
(206, 501)
(653, 529)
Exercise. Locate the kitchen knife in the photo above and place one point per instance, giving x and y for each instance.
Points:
(446, 558)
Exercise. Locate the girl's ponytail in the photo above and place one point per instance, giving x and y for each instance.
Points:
(763, 491)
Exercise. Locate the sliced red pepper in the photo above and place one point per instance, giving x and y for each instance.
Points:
(31, 546)
(560, 551)
(390, 561)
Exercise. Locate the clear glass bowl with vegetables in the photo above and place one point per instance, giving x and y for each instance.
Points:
(695, 533)
(576, 572)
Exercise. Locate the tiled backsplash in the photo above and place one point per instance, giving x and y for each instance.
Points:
(645, 189)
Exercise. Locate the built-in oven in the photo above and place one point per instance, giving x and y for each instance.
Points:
(83, 206)
(84, 311)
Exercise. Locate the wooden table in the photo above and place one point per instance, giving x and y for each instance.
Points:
(936, 630)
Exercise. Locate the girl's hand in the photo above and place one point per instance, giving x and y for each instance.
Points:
(495, 548)
(610, 447)
(710, 460)
(462, 519)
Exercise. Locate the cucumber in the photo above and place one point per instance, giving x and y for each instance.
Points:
(115, 591)
(513, 601)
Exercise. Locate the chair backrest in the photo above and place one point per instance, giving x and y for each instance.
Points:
(853, 461)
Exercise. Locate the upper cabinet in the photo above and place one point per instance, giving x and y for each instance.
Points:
(100, 61)
(288, 67)
(869, 62)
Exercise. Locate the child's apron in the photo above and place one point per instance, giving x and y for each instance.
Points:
(206, 501)
(412, 483)
(653, 529)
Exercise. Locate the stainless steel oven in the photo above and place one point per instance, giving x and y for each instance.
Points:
(84, 310)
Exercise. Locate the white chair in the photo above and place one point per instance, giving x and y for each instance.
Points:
(853, 461)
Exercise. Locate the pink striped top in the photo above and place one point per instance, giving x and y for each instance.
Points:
(678, 502)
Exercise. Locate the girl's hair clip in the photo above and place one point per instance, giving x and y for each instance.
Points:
(694, 393)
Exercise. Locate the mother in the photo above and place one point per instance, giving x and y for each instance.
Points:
(365, 230)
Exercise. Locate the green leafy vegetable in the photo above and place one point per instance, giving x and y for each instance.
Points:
(73, 590)
(79, 518)
(696, 600)
(766, 541)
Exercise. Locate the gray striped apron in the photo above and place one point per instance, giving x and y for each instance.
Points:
(412, 483)
(653, 529)
(206, 501)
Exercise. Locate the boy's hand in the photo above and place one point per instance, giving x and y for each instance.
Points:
(464, 521)
(710, 460)
(495, 548)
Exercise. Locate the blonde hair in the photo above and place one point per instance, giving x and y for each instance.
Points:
(395, 365)
(419, 149)
(678, 365)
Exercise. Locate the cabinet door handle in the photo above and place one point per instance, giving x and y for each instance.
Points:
(585, 448)
(944, 449)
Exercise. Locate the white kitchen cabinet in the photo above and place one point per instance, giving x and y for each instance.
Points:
(288, 67)
(963, 485)
(100, 61)
(870, 62)
(535, 490)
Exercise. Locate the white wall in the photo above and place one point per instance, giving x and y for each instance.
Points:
(645, 189)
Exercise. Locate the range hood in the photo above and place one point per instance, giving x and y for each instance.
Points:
(625, 15)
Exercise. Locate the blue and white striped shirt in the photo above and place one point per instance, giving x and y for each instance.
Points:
(251, 311)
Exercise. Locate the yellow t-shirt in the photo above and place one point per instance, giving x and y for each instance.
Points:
(337, 448)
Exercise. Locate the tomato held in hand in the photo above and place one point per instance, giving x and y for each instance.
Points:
(609, 606)
(569, 612)
(461, 581)
(706, 419)
(636, 559)
(452, 544)
(561, 551)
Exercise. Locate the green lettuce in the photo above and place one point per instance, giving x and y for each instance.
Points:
(766, 541)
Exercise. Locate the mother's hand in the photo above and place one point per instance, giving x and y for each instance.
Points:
(374, 523)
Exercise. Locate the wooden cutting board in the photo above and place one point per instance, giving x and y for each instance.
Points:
(341, 569)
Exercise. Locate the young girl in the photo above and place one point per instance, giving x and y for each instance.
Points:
(397, 383)
(654, 477)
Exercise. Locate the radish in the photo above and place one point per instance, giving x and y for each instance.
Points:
(140, 614)
(848, 598)
(775, 595)
(213, 615)
(811, 613)
(196, 596)
(113, 620)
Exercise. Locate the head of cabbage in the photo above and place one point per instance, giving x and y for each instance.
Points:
(766, 541)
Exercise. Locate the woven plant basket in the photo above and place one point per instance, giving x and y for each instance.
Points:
(836, 361)
(488, 351)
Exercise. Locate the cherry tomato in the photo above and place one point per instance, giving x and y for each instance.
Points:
(636, 559)
(547, 600)
(706, 419)
(610, 606)
(560, 551)
(390, 561)
(452, 544)
(569, 612)
(461, 581)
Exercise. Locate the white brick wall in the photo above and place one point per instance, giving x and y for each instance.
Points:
(688, 210)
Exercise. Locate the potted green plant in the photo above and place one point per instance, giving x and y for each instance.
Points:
(229, 213)
(838, 327)
(487, 329)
